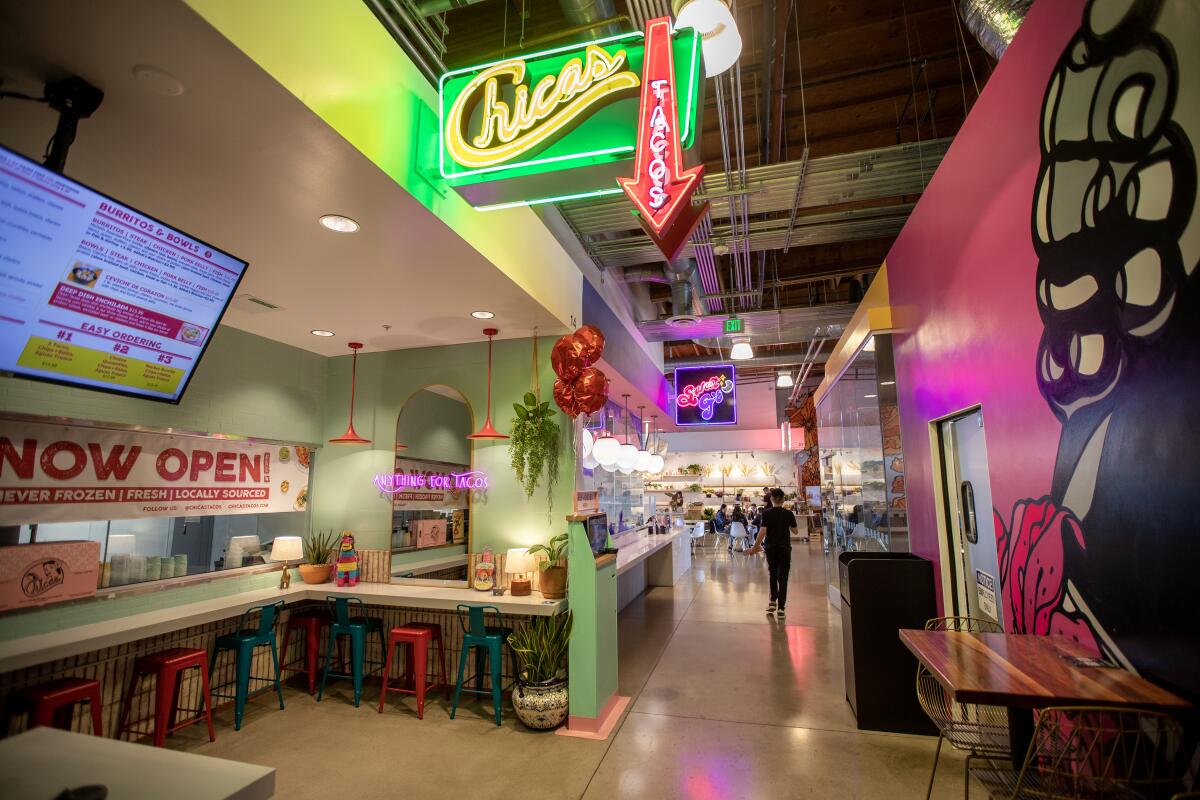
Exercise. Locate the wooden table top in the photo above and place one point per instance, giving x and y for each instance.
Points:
(1029, 672)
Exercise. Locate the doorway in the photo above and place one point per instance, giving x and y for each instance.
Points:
(974, 570)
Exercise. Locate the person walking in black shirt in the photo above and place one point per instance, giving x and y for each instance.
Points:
(778, 527)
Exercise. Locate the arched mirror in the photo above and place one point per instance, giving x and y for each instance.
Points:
(430, 507)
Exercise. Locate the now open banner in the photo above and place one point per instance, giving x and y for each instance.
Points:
(58, 473)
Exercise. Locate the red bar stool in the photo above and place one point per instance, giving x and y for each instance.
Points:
(418, 636)
(167, 667)
(311, 623)
(53, 703)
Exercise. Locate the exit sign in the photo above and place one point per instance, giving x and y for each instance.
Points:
(733, 325)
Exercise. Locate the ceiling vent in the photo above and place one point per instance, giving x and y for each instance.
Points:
(249, 304)
(682, 320)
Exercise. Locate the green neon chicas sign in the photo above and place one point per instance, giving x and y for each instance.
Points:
(555, 125)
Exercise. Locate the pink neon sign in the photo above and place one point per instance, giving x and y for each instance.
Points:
(705, 395)
(399, 481)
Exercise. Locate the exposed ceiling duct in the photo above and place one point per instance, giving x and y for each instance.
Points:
(596, 15)
(686, 290)
(994, 23)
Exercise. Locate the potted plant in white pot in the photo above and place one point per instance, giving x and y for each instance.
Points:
(553, 578)
(540, 697)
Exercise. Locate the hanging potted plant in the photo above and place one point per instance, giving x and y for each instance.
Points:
(553, 576)
(318, 550)
(540, 697)
(533, 447)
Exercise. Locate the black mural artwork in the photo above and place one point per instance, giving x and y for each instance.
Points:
(1111, 555)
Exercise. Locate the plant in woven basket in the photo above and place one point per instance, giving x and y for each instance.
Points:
(533, 446)
(541, 647)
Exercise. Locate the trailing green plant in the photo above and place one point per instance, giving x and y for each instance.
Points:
(555, 549)
(708, 513)
(541, 647)
(533, 446)
(695, 487)
(318, 547)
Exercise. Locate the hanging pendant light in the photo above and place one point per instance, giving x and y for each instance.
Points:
(351, 436)
(606, 448)
(488, 431)
(721, 42)
(627, 456)
(657, 462)
(643, 454)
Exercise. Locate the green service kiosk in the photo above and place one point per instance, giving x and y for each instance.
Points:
(592, 590)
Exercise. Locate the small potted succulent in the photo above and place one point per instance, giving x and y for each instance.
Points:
(540, 697)
(318, 552)
(553, 578)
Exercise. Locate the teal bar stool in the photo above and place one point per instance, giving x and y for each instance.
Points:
(477, 635)
(243, 643)
(356, 627)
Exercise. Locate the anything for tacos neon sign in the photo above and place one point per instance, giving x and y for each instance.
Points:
(454, 481)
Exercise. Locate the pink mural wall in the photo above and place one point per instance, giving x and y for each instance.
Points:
(1049, 274)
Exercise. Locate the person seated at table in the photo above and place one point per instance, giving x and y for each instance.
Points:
(720, 520)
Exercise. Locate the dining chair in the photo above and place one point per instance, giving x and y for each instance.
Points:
(979, 730)
(1094, 751)
(698, 534)
(246, 638)
(738, 533)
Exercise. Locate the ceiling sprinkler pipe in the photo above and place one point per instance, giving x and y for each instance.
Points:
(994, 22)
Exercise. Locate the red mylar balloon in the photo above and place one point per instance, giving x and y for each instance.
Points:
(592, 343)
(567, 358)
(564, 397)
(591, 390)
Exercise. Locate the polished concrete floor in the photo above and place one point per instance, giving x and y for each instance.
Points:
(726, 703)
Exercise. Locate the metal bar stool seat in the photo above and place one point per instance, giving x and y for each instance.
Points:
(53, 703)
(168, 667)
(355, 627)
(311, 623)
(488, 639)
(419, 636)
(243, 643)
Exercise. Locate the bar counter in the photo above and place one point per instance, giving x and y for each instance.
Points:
(30, 650)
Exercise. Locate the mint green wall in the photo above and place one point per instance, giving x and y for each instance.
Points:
(245, 385)
(435, 427)
(343, 494)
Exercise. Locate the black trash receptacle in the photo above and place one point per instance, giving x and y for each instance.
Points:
(882, 593)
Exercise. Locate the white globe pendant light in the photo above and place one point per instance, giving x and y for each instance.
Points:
(720, 41)
(627, 455)
(644, 461)
(657, 463)
(586, 440)
(589, 461)
(606, 447)
(643, 453)
(609, 467)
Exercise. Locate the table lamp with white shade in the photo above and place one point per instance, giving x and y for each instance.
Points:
(287, 549)
(518, 562)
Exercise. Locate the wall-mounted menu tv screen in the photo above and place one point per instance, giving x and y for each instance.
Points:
(97, 294)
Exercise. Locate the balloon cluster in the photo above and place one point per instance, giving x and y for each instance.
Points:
(580, 388)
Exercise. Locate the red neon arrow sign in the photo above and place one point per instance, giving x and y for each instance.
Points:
(660, 188)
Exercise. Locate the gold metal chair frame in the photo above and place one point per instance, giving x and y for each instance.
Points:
(980, 730)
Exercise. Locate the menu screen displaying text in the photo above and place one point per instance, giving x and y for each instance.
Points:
(96, 294)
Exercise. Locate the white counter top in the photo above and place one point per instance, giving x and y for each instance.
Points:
(39, 764)
(31, 650)
(633, 548)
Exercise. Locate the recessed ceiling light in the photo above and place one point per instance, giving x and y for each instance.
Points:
(887, 383)
(482, 314)
(321, 333)
(158, 81)
(336, 222)
(870, 395)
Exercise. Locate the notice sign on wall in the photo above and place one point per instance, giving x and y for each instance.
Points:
(57, 473)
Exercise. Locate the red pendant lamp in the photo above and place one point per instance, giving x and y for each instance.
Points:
(351, 436)
(488, 431)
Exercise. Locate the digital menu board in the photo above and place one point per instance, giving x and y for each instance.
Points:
(706, 395)
(94, 293)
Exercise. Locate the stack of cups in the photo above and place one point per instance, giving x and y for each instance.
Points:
(180, 565)
(119, 575)
(153, 568)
